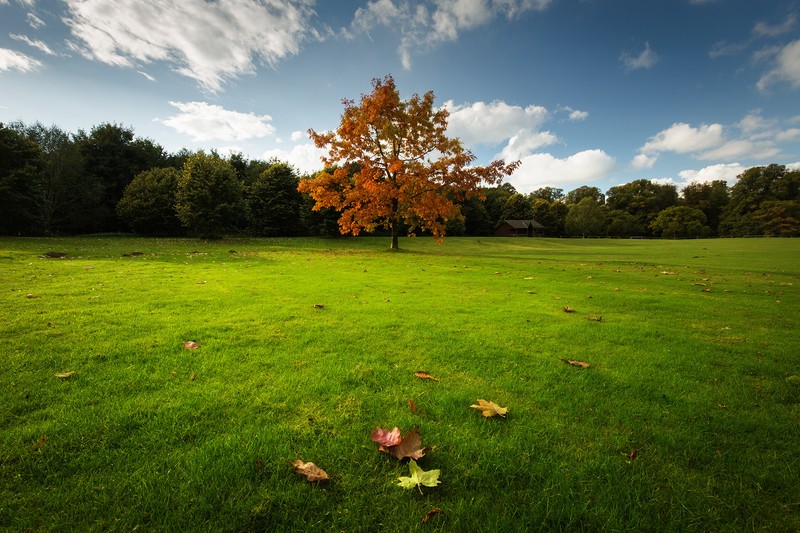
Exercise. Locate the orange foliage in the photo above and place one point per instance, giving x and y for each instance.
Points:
(391, 162)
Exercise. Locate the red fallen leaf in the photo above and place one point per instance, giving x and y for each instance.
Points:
(310, 470)
(191, 345)
(421, 374)
(412, 406)
(632, 455)
(386, 438)
(431, 513)
(576, 363)
(259, 465)
(38, 445)
(568, 309)
(409, 446)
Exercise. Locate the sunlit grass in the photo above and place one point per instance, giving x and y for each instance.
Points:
(689, 367)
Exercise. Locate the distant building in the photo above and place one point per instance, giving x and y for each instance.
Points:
(519, 228)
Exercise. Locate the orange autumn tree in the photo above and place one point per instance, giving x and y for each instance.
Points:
(390, 162)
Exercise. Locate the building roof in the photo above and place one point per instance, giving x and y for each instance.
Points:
(523, 224)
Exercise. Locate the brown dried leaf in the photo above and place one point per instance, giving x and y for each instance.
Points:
(310, 470)
(421, 374)
(191, 345)
(193, 376)
(386, 438)
(576, 363)
(431, 513)
(30, 296)
(38, 445)
(631, 456)
(410, 446)
(318, 306)
(412, 406)
(490, 408)
(594, 318)
(65, 375)
(568, 309)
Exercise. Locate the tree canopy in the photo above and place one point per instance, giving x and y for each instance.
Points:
(407, 170)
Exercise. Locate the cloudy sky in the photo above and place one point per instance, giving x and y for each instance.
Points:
(583, 92)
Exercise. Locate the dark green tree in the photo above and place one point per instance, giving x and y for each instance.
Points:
(20, 169)
(148, 203)
(548, 193)
(495, 200)
(711, 198)
(210, 197)
(753, 189)
(779, 218)
(476, 218)
(516, 207)
(644, 199)
(622, 224)
(552, 214)
(584, 191)
(680, 221)
(275, 202)
(585, 218)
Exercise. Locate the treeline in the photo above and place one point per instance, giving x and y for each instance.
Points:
(108, 180)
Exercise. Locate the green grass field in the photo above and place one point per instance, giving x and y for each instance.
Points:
(688, 418)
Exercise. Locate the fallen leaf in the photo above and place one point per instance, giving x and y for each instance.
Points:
(410, 446)
(310, 470)
(30, 296)
(318, 306)
(631, 456)
(705, 290)
(191, 345)
(65, 375)
(568, 309)
(424, 375)
(54, 255)
(419, 477)
(430, 514)
(576, 363)
(259, 465)
(412, 406)
(386, 438)
(38, 445)
(490, 408)
(193, 376)
(594, 318)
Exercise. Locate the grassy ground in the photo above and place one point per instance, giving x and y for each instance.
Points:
(694, 367)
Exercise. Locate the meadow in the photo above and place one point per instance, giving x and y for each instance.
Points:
(686, 419)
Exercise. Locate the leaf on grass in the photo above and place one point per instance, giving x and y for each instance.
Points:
(421, 374)
(490, 408)
(30, 296)
(431, 513)
(631, 456)
(259, 466)
(576, 363)
(310, 470)
(386, 438)
(193, 376)
(65, 375)
(594, 318)
(318, 306)
(412, 406)
(419, 477)
(568, 309)
(39, 445)
(191, 345)
(705, 290)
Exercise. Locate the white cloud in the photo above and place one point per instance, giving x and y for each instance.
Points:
(741, 149)
(683, 138)
(205, 122)
(787, 67)
(793, 166)
(762, 29)
(431, 22)
(304, 157)
(297, 135)
(481, 123)
(146, 75)
(526, 142)
(13, 60)
(211, 42)
(578, 116)
(539, 170)
(726, 172)
(40, 45)
(34, 21)
(647, 58)
(643, 161)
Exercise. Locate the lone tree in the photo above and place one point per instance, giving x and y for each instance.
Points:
(391, 163)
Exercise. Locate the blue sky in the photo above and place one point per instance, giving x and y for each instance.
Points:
(583, 92)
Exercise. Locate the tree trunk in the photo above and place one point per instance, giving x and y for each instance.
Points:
(395, 243)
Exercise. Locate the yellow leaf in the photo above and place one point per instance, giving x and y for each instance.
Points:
(490, 408)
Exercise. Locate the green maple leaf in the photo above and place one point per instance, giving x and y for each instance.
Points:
(419, 477)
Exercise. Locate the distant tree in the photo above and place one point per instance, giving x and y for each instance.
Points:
(494, 200)
(643, 199)
(275, 202)
(779, 218)
(476, 218)
(20, 167)
(585, 218)
(622, 224)
(148, 202)
(711, 198)
(113, 155)
(516, 207)
(210, 197)
(548, 193)
(409, 171)
(752, 190)
(680, 221)
(552, 214)
(576, 195)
